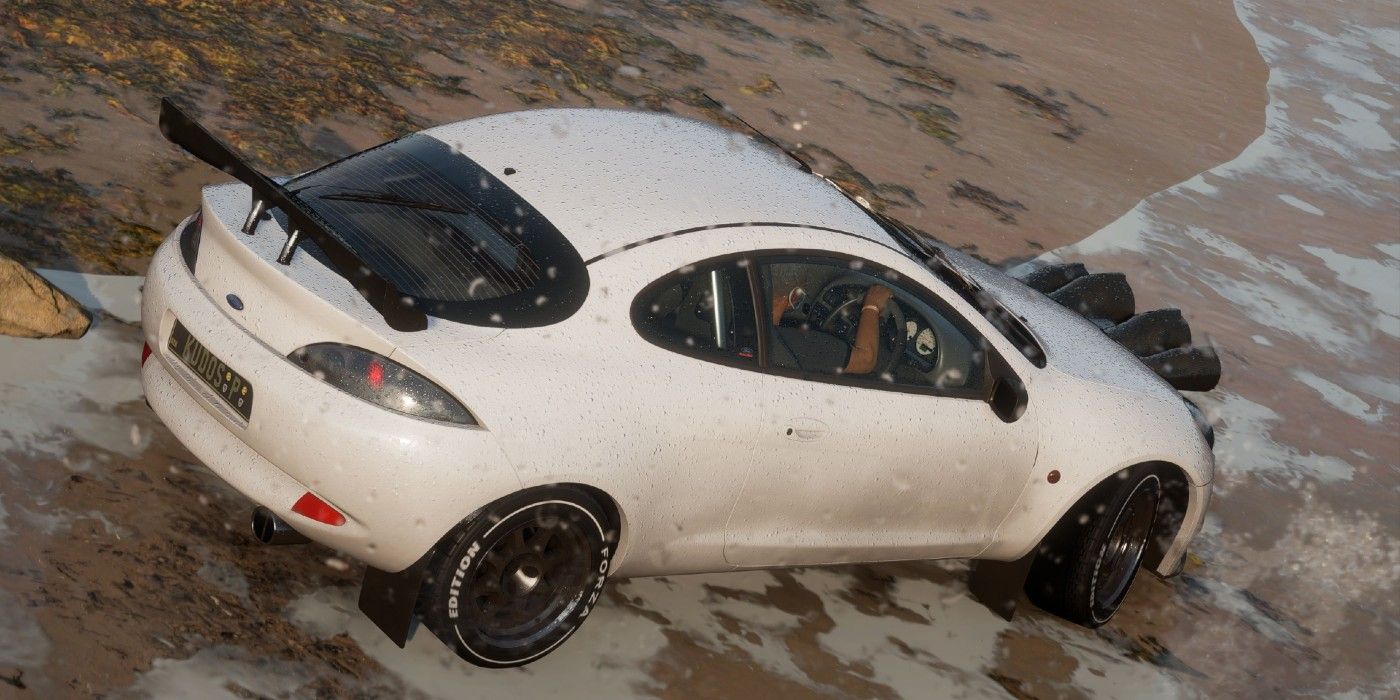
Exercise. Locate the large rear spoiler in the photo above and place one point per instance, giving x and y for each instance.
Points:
(397, 308)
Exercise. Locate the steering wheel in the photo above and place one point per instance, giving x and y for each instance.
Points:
(836, 311)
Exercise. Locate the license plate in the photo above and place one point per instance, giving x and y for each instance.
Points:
(228, 384)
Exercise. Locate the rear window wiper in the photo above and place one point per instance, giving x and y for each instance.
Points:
(396, 308)
(388, 199)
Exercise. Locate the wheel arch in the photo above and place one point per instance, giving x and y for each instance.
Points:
(616, 518)
(997, 583)
(1176, 494)
(390, 599)
(1171, 511)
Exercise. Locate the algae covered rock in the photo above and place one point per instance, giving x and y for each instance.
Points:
(30, 307)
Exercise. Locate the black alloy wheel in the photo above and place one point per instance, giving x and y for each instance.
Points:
(1121, 554)
(520, 577)
(1086, 565)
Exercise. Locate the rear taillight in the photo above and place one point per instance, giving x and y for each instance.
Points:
(189, 240)
(381, 381)
(318, 510)
(145, 353)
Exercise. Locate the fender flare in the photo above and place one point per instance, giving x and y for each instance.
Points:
(998, 585)
(390, 599)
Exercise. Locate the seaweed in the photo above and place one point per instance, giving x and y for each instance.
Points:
(534, 92)
(881, 196)
(876, 105)
(16, 679)
(704, 13)
(900, 80)
(799, 9)
(290, 63)
(923, 74)
(30, 138)
(1097, 109)
(48, 219)
(965, 45)
(1047, 108)
(1003, 209)
(976, 14)
(764, 86)
(934, 120)
(806, 47)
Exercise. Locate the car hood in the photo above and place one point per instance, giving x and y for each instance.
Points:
(1073, 344)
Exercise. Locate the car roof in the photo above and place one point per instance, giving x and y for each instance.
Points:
(610, 178)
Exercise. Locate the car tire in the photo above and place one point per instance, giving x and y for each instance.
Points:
(1084, 568)
(519, 577)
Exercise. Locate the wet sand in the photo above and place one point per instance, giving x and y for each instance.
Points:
(1006, 129)
(1048, 120)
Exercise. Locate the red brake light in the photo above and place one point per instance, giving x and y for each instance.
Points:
(145, 353)
(318, 510)
(375, 374)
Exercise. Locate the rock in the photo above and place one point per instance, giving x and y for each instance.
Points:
(30, 307)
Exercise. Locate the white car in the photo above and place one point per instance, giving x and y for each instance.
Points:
(503, 359)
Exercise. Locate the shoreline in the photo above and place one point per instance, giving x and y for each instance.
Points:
(1283, 257)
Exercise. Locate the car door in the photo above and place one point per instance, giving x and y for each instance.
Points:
(693, 349)
(879, 452)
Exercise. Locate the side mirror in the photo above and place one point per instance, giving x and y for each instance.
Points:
(1008, 397)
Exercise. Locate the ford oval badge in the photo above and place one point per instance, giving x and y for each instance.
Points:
(235, 302)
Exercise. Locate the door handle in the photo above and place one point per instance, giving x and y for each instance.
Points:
(805, 429)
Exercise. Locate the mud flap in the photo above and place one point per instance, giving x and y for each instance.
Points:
(390, 600)
(999, 585)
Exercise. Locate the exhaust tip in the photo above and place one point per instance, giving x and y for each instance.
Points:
(270, 529)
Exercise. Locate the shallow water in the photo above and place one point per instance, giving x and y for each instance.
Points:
(1268, 209)
(1287, 256)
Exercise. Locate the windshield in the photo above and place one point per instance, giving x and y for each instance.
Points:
(1011, 326)
(442, 230)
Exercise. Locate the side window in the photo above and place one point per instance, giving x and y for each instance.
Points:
(705, 311)
(830, 317)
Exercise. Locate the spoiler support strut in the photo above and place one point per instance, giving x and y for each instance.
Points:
(254, 216)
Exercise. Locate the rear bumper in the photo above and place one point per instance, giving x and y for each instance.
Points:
(401, 483)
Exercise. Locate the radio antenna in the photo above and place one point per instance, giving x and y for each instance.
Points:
(772, 142)
(895, 227)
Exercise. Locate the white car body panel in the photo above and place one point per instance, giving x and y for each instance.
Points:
(1072, 343)
(397, 479)
(695, 455)
(935, 473)
(608, 178)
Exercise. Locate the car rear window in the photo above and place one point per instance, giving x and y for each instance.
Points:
(447, 233)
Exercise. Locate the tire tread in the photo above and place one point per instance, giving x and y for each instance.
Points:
(1061, 578)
